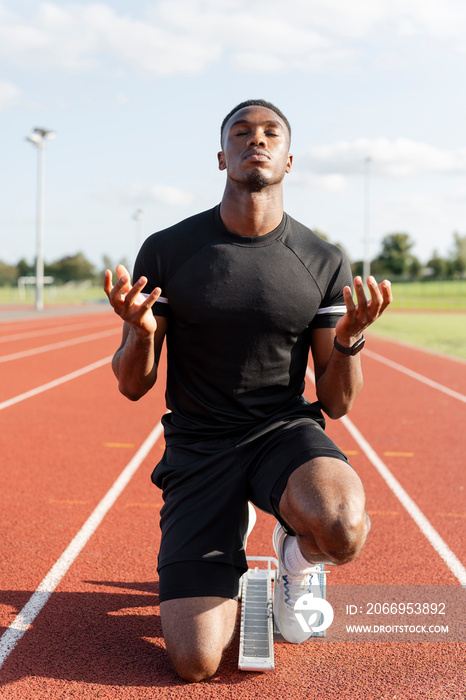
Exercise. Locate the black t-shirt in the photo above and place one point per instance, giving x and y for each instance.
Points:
(240, 311)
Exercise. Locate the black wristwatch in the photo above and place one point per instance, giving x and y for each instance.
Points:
(353, 350)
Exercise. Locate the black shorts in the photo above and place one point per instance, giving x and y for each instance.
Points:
(206, 488)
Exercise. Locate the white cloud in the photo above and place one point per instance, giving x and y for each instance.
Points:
(187, 36)
(437, 18)
(163, 194)
(399, 158)
(149, 47)
(410, 207)
(319, 183)
(9, 96)
(55, 38)
(74, 38)
(121, 100)
(312, 61)
(456, 195)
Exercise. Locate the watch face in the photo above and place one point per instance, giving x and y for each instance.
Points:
(358, 346)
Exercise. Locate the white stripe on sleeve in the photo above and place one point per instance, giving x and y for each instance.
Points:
(332, 310)
(162, 300)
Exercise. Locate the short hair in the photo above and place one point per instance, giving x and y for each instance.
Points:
(254, 103)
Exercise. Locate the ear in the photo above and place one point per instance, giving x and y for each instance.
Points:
(289, 163)
(221, 161)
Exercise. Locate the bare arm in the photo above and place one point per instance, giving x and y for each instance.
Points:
(136, 360)
(339, 377)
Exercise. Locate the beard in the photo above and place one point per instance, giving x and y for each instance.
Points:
(256, 181)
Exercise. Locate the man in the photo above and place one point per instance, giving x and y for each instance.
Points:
(241, 293)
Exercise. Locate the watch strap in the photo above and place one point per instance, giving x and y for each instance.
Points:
(353, 350)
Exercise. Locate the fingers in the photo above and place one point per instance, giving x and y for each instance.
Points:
(349, 301)
(361, 296)
(376, 297)
(135, 289)
(153, 296)
(108, 282)
(365, 311)
(386, 289)
(381, 295)
(122, 271)
(132, 296)
(111, 290)
(128, 302)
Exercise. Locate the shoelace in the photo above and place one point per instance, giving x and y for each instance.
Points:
(290, 582)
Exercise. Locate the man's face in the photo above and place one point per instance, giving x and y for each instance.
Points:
(255, 148)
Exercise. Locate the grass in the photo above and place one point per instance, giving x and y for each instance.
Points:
(66, 294)
(439, 332)
(443, 295)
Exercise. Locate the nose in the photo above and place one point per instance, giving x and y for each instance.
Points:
(257, 138)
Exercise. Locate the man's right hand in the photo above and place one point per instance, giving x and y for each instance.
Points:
(128, 302)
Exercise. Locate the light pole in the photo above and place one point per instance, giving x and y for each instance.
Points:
(38, 138)
(367, 258)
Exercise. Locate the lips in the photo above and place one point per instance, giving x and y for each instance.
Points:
(256, 155)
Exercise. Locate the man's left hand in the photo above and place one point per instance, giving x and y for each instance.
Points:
(361, 315)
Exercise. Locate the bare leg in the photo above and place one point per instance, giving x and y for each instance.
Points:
(324, 503)
(196, 632)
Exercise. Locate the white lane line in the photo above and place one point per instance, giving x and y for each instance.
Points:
(415, 375)
(55, 330)
(441, 547)
(450, 559)
(36, 602)
(55, 382)
(57, 346)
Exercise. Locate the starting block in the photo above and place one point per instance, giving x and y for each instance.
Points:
(256, 631)
(256, 651)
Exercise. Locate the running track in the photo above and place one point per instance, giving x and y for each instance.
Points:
(79, 525)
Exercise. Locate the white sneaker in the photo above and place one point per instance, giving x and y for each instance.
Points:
(252, 517)
(286, 591)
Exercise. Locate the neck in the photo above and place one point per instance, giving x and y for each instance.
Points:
(251, 213)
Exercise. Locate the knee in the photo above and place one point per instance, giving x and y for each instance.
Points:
(324, 503)
(196, 667)
(338, 531)
(196, 631)
(343, 533)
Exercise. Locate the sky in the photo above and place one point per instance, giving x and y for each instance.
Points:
(136, 92)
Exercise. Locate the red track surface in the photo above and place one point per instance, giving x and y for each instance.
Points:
(99, 633)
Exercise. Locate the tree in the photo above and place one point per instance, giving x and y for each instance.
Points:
(8, 274)
(71, 268)
(109, 264)
(458, 257)
(416, 268)
(25, 269)
(438, 266)
(395, 257)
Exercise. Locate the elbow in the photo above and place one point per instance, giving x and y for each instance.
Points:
(338, 411)
(131, 395)
(337, 401)
(337, 407)
(136, 391)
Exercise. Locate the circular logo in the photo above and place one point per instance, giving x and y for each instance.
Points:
(314, 609)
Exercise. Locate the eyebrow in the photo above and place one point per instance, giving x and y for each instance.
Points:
(269, 122)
